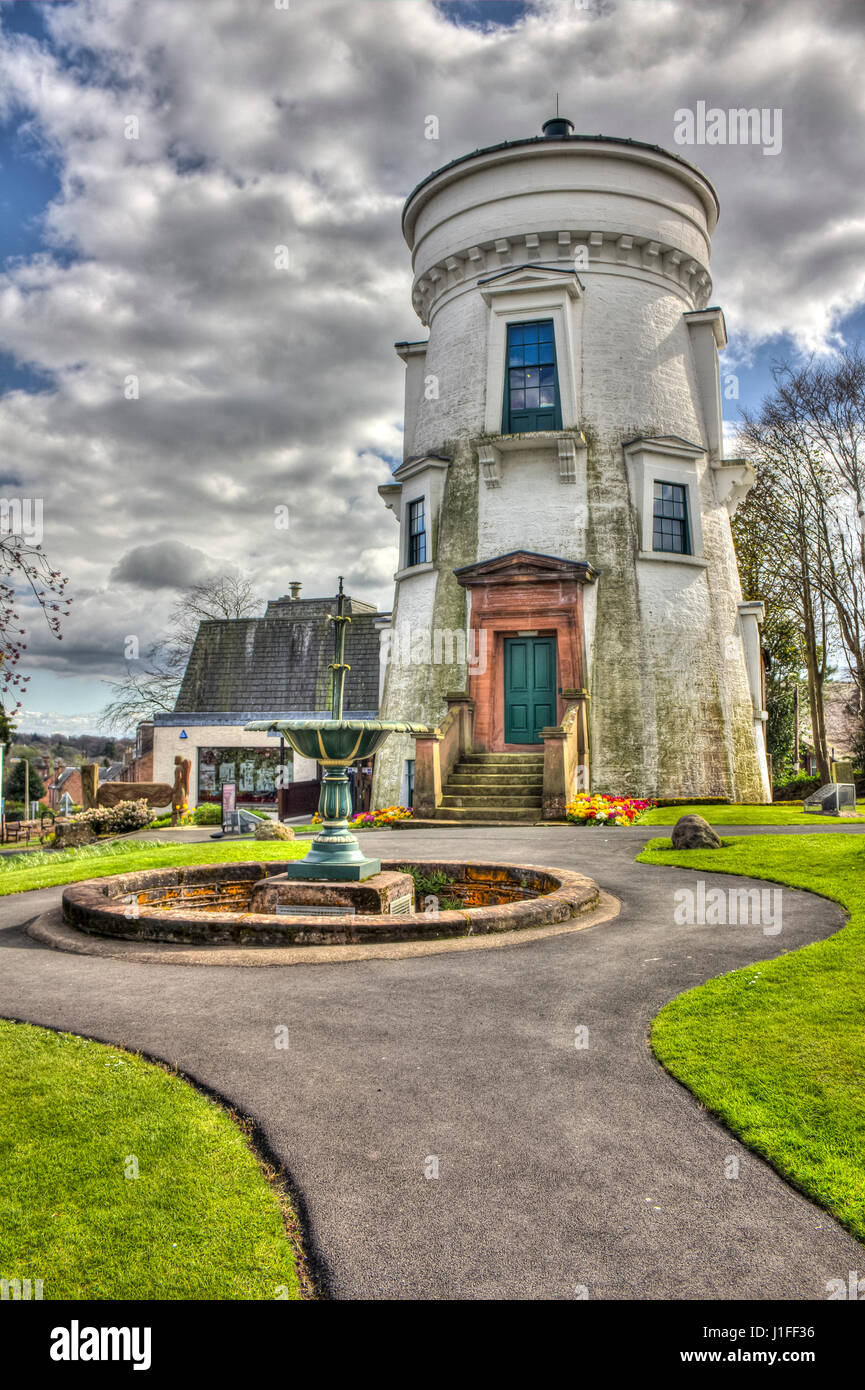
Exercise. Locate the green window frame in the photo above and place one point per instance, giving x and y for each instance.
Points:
(416, 533)
(532, 400)
(670, 529)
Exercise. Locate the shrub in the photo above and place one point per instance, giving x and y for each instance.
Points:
(208, 813)
(605, 810)
(431, 883)
(693, 801)
(116, 820)
(796, 789)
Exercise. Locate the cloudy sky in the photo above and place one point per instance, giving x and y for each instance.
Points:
(260, 123)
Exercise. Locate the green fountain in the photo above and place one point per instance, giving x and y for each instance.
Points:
(336, 744)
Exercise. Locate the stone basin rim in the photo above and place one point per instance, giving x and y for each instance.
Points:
(101, 907)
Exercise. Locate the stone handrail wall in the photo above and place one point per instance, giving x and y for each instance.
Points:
(436, 754)
(566, 759)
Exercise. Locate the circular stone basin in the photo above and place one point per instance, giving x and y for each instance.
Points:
(254, 903)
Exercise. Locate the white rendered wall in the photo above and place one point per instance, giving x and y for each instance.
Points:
(672, 709)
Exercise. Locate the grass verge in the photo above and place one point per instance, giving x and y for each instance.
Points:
(777, 1051)
(742, 815)
(201, 1220)
(48, 869)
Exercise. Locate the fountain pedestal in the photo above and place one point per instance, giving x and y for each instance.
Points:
(385, 894)
(336, 744)
(335, 852)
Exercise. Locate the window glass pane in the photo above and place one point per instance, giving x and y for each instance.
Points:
(531, 376)
(670, 518)
(253, 771)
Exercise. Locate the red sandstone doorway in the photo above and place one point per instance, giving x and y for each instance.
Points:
(527, 595)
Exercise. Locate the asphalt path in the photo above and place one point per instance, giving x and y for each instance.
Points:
(446, 1136)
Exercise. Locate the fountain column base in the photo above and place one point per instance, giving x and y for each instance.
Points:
(335, 852)
(324, 867)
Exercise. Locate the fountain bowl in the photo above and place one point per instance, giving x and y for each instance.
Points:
(335, 742)
(209, 904)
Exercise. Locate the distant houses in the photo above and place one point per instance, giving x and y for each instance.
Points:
(66, 781)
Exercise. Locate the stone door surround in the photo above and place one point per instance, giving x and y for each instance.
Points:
(522, 592)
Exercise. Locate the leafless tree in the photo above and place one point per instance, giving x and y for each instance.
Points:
(823, 407)
(24, 566)
(150, 687)
(781, 541)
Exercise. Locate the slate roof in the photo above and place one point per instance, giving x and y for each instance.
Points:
(278, 664)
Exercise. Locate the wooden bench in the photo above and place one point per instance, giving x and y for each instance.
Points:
(15, 829)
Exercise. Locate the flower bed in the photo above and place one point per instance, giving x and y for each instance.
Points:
(605, 810)
(375, 820)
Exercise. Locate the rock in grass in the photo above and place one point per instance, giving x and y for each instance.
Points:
(273, 830)
(68, 834)
(692, 832)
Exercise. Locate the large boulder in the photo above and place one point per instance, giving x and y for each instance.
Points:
(692, 832)
(68, 834)
(273, 830)
(156, 794)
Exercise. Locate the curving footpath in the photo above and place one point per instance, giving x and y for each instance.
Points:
(558, 1167)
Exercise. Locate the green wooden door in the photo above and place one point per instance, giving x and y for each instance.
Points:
(530, 687)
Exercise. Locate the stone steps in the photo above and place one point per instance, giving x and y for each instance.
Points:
(470, 799)
(494, 780)
(494, 787)
(499, 814)
(509, 760)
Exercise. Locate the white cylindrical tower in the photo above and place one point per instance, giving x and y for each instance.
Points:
(563, 501)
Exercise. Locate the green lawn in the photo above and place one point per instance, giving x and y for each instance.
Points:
(777, 1050)
(742, 815)
(200, 1221)
(48, 868)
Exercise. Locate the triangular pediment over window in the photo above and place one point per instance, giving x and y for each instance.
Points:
(530, 277)
(519, 566)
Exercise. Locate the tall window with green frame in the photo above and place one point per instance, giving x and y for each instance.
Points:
(532, 399)
(416, 533)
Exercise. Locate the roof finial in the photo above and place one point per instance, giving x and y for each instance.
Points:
(557, 127)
